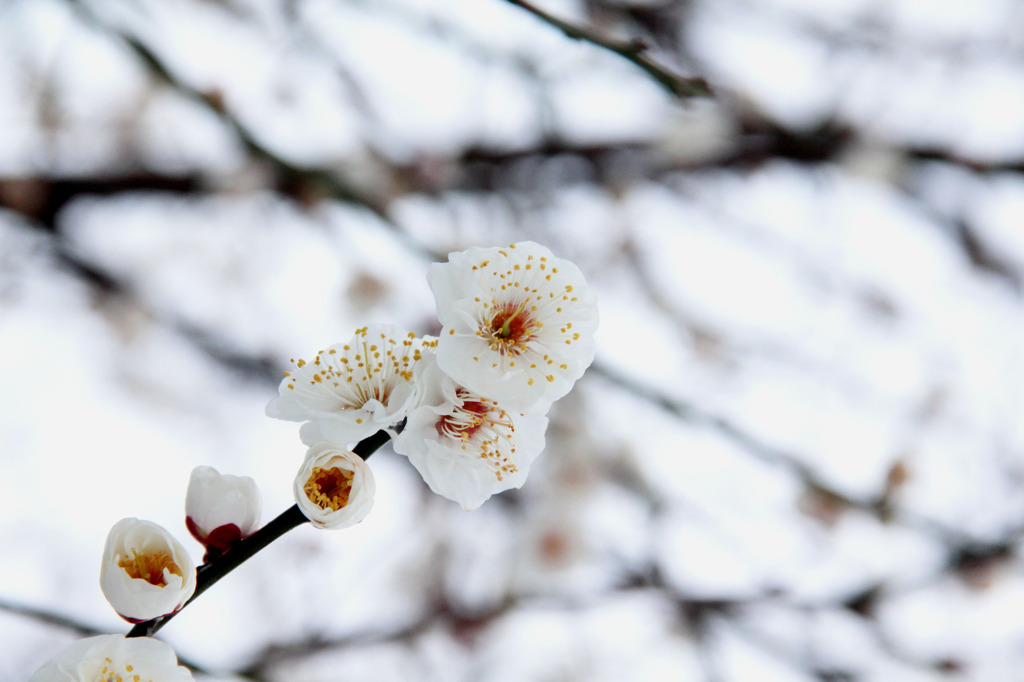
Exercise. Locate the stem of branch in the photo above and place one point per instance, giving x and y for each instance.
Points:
(208, 574)
(634, 50)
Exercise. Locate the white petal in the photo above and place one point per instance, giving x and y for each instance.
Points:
(113, 657)
(214, 500)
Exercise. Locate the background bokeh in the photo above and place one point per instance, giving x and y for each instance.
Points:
(798, 456)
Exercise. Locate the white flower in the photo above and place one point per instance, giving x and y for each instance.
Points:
(352, 390)
(113, 658)
(221, 509)
(465, 446)
(518, 322)
(146, 573)
(334, 487)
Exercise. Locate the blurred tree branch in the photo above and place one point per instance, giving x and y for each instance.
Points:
(634, 50)
(304, 184)
(49, 617)
(41, 615)
(881, 506)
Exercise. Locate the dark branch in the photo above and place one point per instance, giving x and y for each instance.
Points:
(303, 184)
(634, 50)
(51, 618)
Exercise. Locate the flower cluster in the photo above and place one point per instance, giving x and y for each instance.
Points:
(468, 407)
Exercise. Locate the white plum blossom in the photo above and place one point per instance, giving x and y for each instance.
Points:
(221, 509)
(145, 573)
(518, 323)
(113, 658)
(465, 446)
(335, 487)
(351, 390)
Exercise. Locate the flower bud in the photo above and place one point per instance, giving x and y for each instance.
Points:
(113, 657)
(146, 573)
(220, 509)
(335, 487)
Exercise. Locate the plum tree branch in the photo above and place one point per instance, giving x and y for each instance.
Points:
(634, 50)
(210, 573)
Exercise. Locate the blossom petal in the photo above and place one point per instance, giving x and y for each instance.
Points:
(215, 501)
(113, 657)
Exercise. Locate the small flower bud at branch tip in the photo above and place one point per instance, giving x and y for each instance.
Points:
(221, 509)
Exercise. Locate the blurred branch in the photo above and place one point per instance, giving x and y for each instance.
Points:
(65, 622)
(304, 183)
(42, 615)
(880, 506)
(634, 50)
(442, 614)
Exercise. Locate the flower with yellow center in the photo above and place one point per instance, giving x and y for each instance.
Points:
(465, 446)
(334, 487)
(113, 658)
(518, 323)
(351, 390)
(145, 573)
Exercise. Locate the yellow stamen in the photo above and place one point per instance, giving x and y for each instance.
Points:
(329, 488)
(149, 567)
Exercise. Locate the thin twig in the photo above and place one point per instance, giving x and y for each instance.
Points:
(634, 50)
(880, 507)
(42, 615)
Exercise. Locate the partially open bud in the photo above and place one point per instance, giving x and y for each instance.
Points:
(146, 573)
(335, 487)
(220, 509)
(113, 657)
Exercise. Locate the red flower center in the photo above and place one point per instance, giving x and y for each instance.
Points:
(511, 327)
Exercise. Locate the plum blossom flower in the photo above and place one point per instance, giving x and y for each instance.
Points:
(145, 573)
(518, 323)
(334, 487)
(351, 390)
(113, 658)
(465, 446)
(221, 509)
